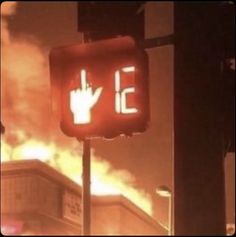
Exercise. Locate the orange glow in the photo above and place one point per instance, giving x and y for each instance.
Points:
(82, 100)
(98, 187)
(34, 150)
(121, 95)
(25, 113)
(5, 151)
(128, 69)
(104, 180)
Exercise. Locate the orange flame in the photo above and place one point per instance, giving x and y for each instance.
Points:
(30, 131)
(105, 180)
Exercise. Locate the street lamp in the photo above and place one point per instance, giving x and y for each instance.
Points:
(164, 191)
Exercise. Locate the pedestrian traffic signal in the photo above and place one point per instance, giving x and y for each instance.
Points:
(100, 89)
(107, 19)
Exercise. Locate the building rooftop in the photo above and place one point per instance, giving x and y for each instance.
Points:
(24, 167)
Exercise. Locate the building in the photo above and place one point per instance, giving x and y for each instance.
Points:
(37, 200)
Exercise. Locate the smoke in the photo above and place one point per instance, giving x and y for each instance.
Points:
(27, 116)
(7, 9)
(24, 84)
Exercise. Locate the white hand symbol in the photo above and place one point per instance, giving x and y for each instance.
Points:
(82, 100)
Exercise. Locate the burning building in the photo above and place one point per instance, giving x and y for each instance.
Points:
(38, 200)
(31, 131)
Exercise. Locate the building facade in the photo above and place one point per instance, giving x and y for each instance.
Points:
(37, 200)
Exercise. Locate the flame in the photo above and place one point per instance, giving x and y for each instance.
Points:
(104, 181)
(33, 149)
(30, 131)
(6, 151)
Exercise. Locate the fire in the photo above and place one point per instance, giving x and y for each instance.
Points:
(105, 180)
(30, 133)
(5, 151)
(33, 149)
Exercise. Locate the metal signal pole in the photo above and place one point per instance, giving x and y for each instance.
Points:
(86, 196)
(86, 193)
